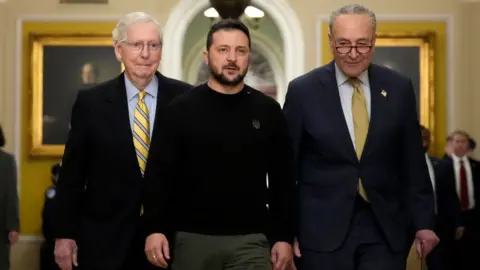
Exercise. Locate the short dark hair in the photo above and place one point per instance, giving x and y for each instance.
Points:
(472, 144)
(227, 24)
(2, 137)
(423, 128)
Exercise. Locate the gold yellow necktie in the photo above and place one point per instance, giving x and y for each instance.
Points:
(360, 124)
(141, 131)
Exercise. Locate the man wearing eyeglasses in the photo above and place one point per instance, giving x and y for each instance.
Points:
(98, 202)
(363, 187)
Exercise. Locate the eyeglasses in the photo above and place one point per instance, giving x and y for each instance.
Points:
(346, 49)
(361, 49)
(139, 46)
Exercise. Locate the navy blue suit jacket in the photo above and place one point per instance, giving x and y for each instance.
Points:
(392, 165)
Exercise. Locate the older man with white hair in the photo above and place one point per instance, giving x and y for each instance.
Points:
(99, 222)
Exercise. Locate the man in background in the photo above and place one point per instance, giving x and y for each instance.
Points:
(364, 192)
(98, 204)
(9, 217)
(448, 219)
(466, 176)
(47, 258)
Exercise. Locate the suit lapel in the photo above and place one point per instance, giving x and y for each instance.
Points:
(164, 95)
(333, 102)
(377, 106)
(117, 99)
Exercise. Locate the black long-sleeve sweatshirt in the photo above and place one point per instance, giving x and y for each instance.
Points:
(209, 175)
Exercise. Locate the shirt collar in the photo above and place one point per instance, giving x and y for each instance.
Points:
(342, 78)
(457, 159)
(132, 91)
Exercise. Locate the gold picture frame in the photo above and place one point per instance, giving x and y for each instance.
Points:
(50, 72)
(402, 48)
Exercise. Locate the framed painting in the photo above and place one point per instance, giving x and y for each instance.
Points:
(412, 54)
(61, 65)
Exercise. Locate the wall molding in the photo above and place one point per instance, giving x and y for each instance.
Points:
(450, 52)
(284, 17)
(269, 49)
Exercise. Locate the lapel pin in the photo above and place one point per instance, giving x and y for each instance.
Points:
(384, 93)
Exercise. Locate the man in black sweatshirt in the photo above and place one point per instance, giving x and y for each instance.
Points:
(216, 146)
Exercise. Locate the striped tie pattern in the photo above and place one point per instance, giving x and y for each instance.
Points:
(141, 131)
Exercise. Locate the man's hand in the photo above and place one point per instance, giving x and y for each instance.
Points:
(425, 241)
(281, 255)
(296, 253)
(459, 232)
(13, 237)
(157, 250)
(66, 253)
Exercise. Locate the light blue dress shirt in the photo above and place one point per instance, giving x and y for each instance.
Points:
(150, 100)
(346, 94)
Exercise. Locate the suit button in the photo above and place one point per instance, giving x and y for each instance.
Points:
(352, 196)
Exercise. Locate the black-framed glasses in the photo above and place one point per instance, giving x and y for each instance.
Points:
(361, 49)
(346, 49)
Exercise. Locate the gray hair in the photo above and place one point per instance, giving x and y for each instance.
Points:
(119, 34)
(352, 9)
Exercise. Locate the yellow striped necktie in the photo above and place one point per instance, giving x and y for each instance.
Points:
(360, 124)
(141, 131)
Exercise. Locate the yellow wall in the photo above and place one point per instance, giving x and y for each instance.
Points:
(439, 28)
(36, 171)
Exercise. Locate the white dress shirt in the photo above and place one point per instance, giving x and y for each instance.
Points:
(468, 169)
(431, 172)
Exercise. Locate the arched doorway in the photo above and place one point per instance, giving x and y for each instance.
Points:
(283, 16)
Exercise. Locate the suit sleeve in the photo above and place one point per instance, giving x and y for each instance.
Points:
(420, 199)
(12, 218)
(165, 159)
(280, 180)
(72, 177)
(292, 110)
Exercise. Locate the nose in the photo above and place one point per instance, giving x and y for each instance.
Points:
(353, 53)
(145, 52)
(232, 56)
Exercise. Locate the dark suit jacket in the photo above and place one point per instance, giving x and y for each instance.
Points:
(449, 215)
(471, 219)
(392, 166)
(9, 218)
(99, 193)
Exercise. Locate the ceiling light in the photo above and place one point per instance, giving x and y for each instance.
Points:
(253, 12)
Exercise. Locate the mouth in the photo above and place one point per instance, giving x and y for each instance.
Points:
(231, 70)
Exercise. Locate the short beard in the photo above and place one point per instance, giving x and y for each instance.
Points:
(222, 79)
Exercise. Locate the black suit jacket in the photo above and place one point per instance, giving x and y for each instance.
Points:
(392, 166)
(449, 214)
(99, 195)
(471, 219)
